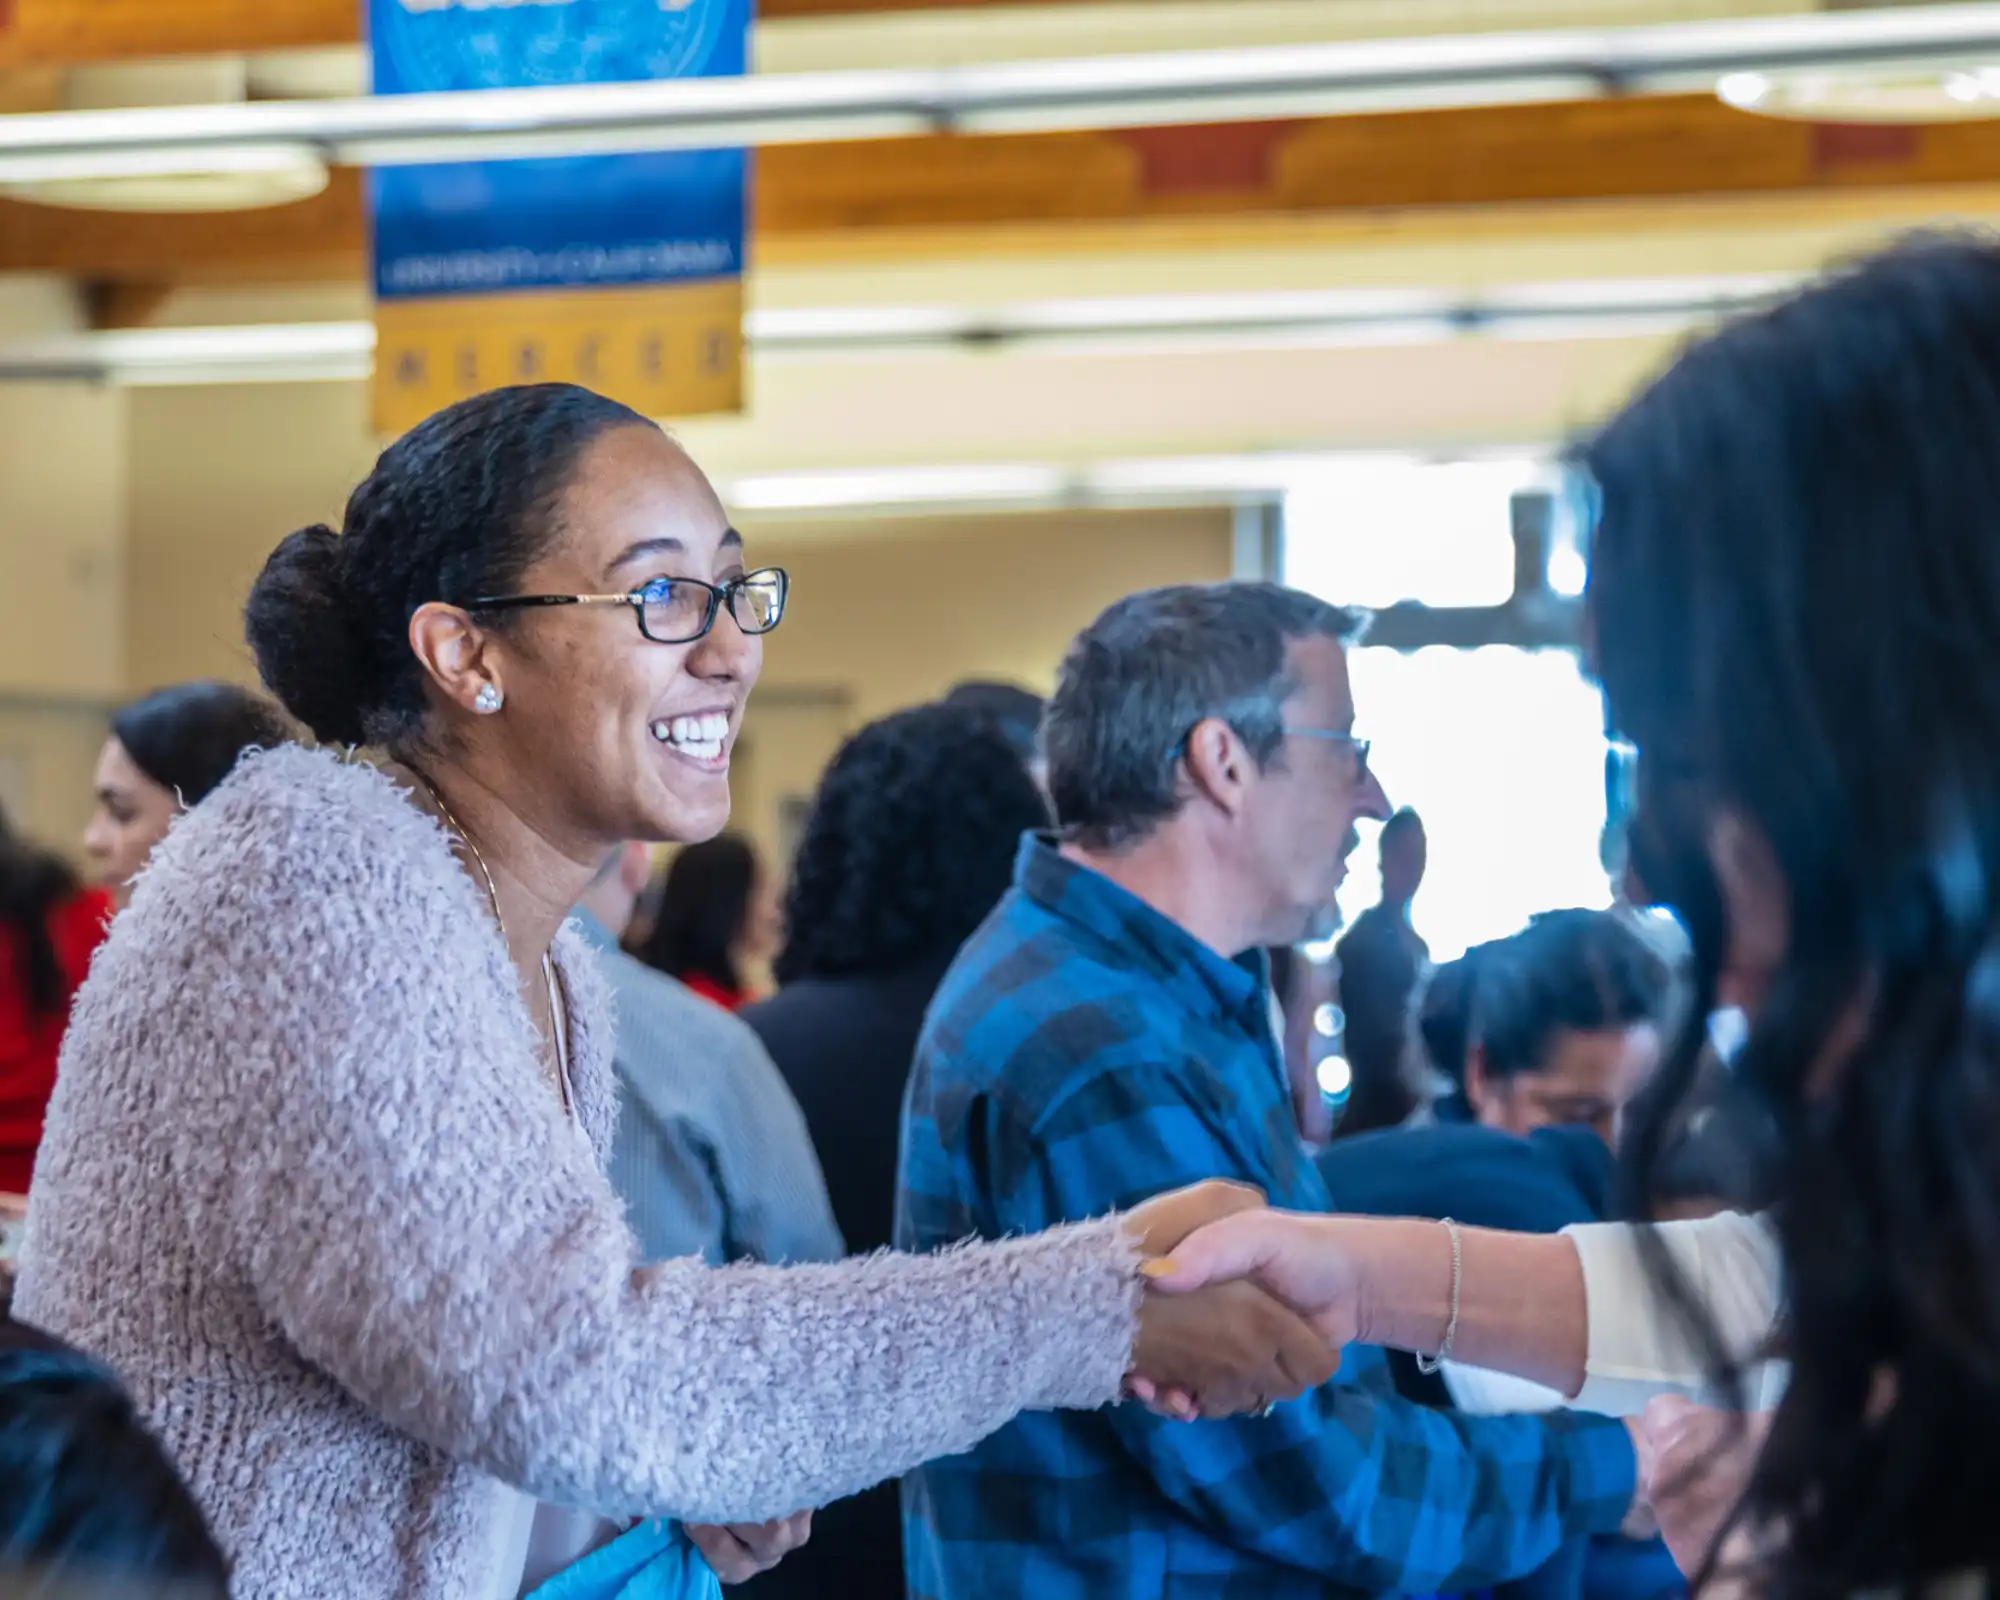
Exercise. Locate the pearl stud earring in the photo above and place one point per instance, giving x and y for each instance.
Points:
(488, 700)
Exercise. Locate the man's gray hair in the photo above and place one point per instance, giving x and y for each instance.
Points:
(1137, 681)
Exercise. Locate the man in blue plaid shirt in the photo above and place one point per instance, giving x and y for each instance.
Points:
(1107, 1035)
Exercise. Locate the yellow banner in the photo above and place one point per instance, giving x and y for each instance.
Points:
(666, 350)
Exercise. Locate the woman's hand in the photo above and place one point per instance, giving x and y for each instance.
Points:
(1695, 1464)
(742, 1550)
(1230, 1349)
(1162, 1223)
(1298, 1259)
(1223, 1350)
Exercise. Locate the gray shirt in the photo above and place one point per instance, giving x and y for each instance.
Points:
(712, 1157)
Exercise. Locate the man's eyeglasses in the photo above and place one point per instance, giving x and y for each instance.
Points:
(678, 610)
(1360, 747)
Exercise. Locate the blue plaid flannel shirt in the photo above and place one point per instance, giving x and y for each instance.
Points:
(1085, 1053)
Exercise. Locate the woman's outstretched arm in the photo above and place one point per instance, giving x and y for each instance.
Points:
(1578, 1311)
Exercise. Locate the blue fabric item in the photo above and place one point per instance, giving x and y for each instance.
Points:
(1485, 1178)
(655, 1561)
(712, 1157)
(1083, 1054)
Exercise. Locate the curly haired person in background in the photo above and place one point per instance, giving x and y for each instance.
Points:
(909, 846)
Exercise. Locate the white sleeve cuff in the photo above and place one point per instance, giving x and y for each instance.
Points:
(1638, 1349)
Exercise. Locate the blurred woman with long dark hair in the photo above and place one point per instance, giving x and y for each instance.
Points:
(1795, 602)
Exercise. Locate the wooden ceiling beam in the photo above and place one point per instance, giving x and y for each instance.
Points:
(808, 196)
(73, 32)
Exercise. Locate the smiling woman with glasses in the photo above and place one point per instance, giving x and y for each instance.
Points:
(324, 1172)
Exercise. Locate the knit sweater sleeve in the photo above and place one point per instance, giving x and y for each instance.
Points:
(407, 1202)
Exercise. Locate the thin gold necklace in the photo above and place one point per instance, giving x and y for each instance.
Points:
(558, 1011)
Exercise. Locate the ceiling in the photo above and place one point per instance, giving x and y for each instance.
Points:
(1468, 200)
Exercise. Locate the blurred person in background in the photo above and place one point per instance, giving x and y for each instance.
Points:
(1106, 1033)
(715, 924)
(1013, 712)
(50, 925)
(1381, 963)
(711, 1157)
(165, 753)
(910, 844)
(90, 1506)
(1555, 1029)
(1564, 1025)
(324, 1171)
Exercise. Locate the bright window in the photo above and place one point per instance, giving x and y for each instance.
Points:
(1380, 530)
(1501, 750)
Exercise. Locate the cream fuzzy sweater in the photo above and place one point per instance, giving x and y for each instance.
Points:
(306, 1186)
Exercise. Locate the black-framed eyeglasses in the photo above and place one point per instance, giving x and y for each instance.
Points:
(678, 610)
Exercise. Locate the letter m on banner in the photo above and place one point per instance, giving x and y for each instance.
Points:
(623, 273)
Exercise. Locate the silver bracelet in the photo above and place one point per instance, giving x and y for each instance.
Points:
(1429, 1364)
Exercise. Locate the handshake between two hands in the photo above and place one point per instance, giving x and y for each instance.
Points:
(1230, 1324)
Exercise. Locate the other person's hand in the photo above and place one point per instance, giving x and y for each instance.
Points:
(1297, 1258)
(1224, 1350)
(743, 1549)
(1696, 1464)
(1162, 1223)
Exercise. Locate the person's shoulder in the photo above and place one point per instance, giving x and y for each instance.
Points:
(310, 811)
(1482, 1176)
(1021, 970)
(648, 998)
(303, 840)
(1034, 1019)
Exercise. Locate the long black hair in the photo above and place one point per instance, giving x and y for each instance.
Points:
(910, 844)
(1795, 606)
(33, 883)
(704, 909)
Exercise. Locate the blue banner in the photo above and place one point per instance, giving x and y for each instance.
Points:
(574, 223)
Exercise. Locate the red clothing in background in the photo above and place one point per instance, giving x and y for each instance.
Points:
(715, 993)
(29, 1044)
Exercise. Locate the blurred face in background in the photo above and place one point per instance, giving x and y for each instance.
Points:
(132, 816)
(1586, 1079)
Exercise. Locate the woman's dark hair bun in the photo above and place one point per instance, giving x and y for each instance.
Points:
(302, 633)
(456, 510)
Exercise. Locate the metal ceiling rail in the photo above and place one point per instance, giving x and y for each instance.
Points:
(1107, 92)
(285, 352)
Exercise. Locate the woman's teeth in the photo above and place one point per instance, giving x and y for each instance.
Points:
(700, 737)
